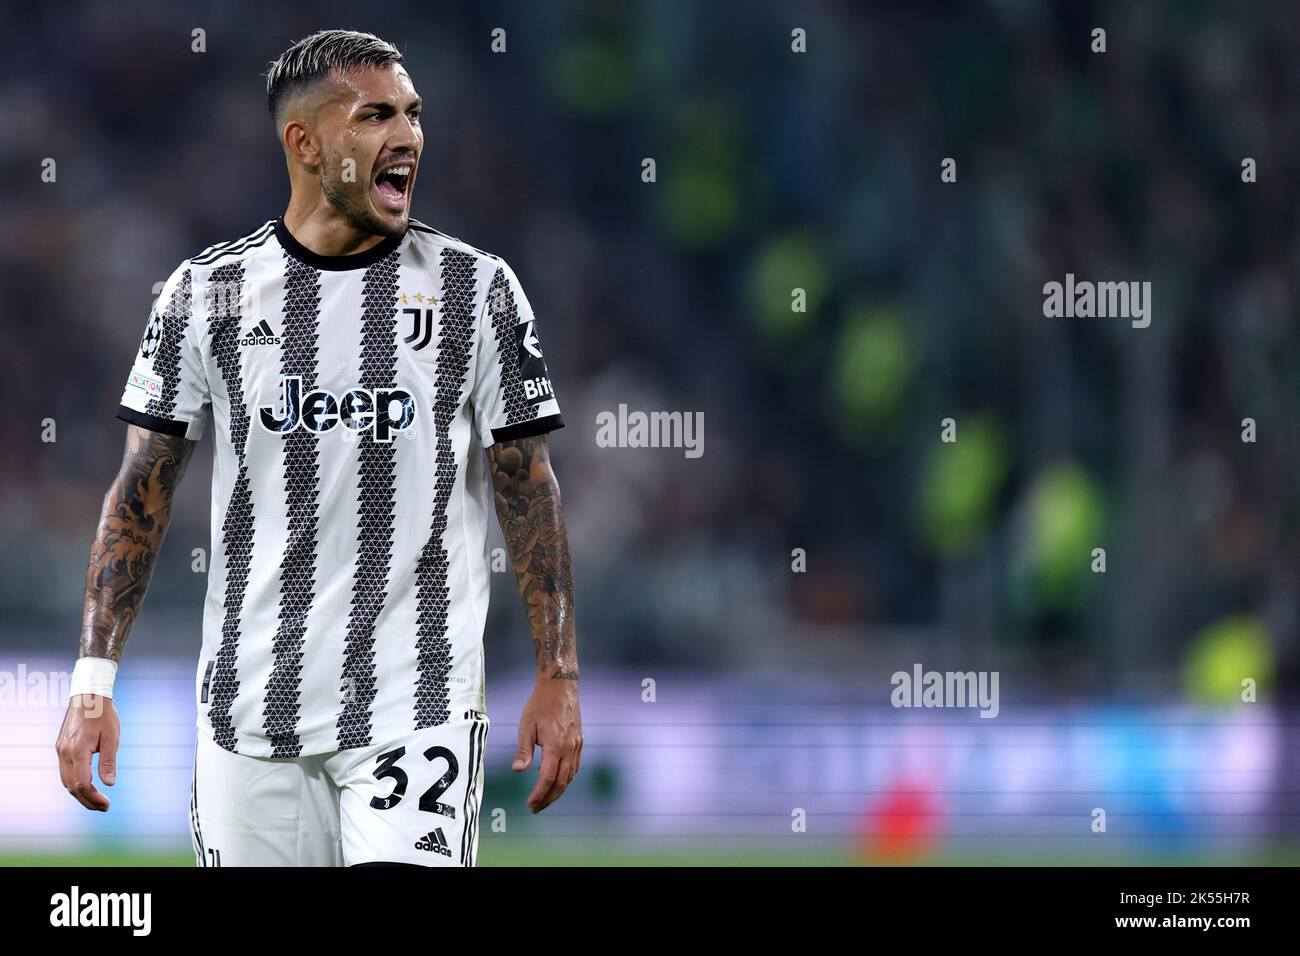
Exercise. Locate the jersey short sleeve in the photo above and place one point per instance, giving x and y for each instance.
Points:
(166, 389)
(512, 394)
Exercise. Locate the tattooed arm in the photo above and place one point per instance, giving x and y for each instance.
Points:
(132, 524)
(136, 513)
(528, 507)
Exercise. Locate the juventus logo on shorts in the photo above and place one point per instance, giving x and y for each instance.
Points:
(421, 328)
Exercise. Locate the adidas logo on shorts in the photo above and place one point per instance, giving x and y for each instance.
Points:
(434, 842)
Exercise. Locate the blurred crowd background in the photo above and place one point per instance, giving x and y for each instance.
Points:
(775, 170)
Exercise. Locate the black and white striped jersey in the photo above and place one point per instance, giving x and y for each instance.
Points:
(350, 395)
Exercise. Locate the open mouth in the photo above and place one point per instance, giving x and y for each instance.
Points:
(392, 183)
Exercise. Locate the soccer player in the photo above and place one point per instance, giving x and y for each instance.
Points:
(352, 360)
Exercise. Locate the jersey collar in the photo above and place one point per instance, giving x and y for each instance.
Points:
(358, 260)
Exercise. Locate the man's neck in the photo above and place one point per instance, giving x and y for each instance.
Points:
(323, 230)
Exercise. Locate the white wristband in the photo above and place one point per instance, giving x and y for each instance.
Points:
(93, 675)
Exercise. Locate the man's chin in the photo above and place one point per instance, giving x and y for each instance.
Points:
(391, 223)
(366, 218)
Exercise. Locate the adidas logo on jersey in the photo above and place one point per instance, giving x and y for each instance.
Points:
(434, 842)
(260, 334)
(383, 410)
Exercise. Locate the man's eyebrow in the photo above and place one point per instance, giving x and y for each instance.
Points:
(387, 107)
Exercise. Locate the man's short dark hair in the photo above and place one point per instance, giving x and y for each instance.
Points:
(313, 58)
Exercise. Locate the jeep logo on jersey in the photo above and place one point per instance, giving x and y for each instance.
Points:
(386, 410)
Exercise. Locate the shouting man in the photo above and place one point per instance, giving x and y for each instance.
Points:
(352, 359)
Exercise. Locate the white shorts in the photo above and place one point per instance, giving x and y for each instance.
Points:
(412, 801)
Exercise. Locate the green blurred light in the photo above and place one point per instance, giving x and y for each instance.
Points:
(703, 180)
(1066, 515)
(873, 363)
(781, 266)
(959, 485)
(591, 77)
(1223, 654)
(701, 204)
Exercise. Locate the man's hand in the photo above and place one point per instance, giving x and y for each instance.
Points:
(90, 726)
(550, 720)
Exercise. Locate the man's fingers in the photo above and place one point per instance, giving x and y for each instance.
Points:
(563, 777)
(108, 756)
(546, 778)
(524, 755)
(550, 788)
(569, 760)
(89, 797)
(75, 770)
(69, 767)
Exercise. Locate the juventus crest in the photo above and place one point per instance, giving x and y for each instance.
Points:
(421, 328)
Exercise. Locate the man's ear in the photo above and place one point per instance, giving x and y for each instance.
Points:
(300, 143)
